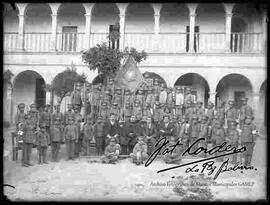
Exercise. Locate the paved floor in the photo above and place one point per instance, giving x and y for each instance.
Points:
(82, 179)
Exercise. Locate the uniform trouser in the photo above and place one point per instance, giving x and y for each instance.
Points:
(191, 141)
(78, 146)
(204, 145)
(70, 148)
(124, 149)
(109, 158)
(172, 159)
(219, 159)
(27, 150)
(247, 155)
(42, 152)
(100, 145)
(55, 146)
(138, 158)
(131, 145)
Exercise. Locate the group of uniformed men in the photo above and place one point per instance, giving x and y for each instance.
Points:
(117, 121)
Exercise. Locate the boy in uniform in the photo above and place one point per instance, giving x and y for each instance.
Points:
(245, 110)
(137, 110)
(139, 153)
(217, 136)
(231, 113)
(71, 137)
(232, 137)
(58, 115)
(88, 131)
(194, 130)
(123, 138)
(248, 139)
(99, 135)
(112, 152)
(69, 113)
(57, 138)
(203, 133)
(42, 142)
(104, 111)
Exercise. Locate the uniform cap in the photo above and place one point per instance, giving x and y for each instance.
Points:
(112, 140)
(157, 103)
(33, 105)
(42, 125)
(244, 99)
(231, 102)
(104, 103)
(115, 103)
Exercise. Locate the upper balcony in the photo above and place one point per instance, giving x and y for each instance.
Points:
(155, 28)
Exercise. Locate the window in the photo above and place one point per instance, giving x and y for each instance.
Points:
(69, 38)
(196, 38)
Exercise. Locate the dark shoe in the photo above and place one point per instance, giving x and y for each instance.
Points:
(29, 164)
(24, 165)
(39, 162)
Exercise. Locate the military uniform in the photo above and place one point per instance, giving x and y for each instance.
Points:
(200, 111)
(123, 138)
(42, 142)
(115, 110)
(245, 110)
(68, 114)
(88, 133)
(231, 113)
(203, 133)
(147, 111)
(137, 110)
(78, 121)
(157, 112)
(58, 115)
(117, 98)
(140, 98)
(248, 139)
(232, 136)
(170, 101)
(34, 115)
(179, 111)
(221, 113)
(163, 95)
(156, 88)
(194, 130)
(56, 138)
(99, 134)
(189, 111)
(150, 98)
(133, 131)
(179, 96)
(210, 113)
(128, 97)
(111, 153)
(184, 133)
(28, 141)
(149, 131)
(76, 96)
(139, 153)
(96, 101)
(104, 111)
(71, 137)
(20, 117)
(126, 112)
(218, 137)
(46, 118)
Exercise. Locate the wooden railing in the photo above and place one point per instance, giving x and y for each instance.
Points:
(161, 43)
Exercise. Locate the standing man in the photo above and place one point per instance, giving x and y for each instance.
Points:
(56, 138)
(221, 113)
(58, 115)
(150, 134)
(166, 128)
(231, 113)
(71, 136)
(163, 94)
(137, 110)
(42, 142)
(111, 128)
(150, 97)
(76, 96)
(245, 110)
(115, 110)
(78, 121)
(68, 114)
(140, 97)
(46, 118)
(20, 117)
(200, 110)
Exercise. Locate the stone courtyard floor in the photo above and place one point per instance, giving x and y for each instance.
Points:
(82, 179)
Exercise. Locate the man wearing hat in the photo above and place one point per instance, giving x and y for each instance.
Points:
(157, 111)
(232, 138)
(156, 88)
(115, 109)
(245, 110)
(112, 152)
(193, 131)
(68, 114)
(231, 113)
(42, 143)
(46, 118)
(203, 133)
(123, 138)
(221, 112)
(88, 135)
(140, 97)
(99, 135)
(163, 94)
(78, 122)
(147, 111)
(104, 111)
(218, 137)
(133, 131)
(200, 110)
(76, 96)
(71, 134)
(34, 115)
(137, 110)
(139, 154)
(149, 132)
(117, 98)
(126, 111)
(57, 136)
(28, 139)
(169, 100)
(127, 96)
(189, 110)
(173, 157)
(248, 139)
(111, 128)
(20, 117)
(166, 128)
(58, 115)
(210, 112)
(150, 97)
(88, 98)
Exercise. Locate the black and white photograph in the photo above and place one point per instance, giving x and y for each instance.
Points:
(134, 101)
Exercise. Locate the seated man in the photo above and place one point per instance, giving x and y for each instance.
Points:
(175, 156)
(139, 153)
(112, 152)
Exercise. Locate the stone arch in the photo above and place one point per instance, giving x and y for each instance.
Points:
(29, 87)
(232, 87)
(196, 81)
(263, 103)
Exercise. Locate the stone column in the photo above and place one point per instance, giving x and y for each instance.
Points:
(122, 16)
(21, 7)
(192, 14)
(157, 8)
(54, 9)
(264, 30)
(228, 14)
(88, 14)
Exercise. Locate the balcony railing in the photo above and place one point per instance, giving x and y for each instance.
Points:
(161, 43)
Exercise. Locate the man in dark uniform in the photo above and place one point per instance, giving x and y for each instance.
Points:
(221, 113)
(42, 142)
(104, 111)
(137, 110)
(245, 110)
(57, 137)
(150, 134)
(248, 139)
(123, 138)
(117, 98)
(99, 135)
(78, 121)
(115, 110)
(133, 131)
(127, 112)
(111, 128)
(34, 115)
(140, 97)
(157, 111)
(231, 113)
(20, 117)
(58, 115)
(46, 117)
(76, 96)
(165, 128)
(69, 113)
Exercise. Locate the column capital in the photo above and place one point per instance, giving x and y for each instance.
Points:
(192, 8)
(228, 7)
(122, 15)
(122, 8)
(228, 15)
(156, 8)
(20, 15)
(21, 7)
(192, 15)
(54, 7)
(156, 15)
(88, 8)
